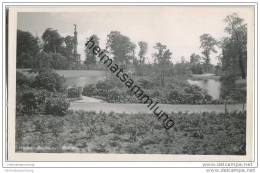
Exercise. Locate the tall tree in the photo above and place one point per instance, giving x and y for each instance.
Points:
(69, 44)
(195, 59)
(58, 61)
(27, 48)
(162, 59)
(207, 44)
(90, 57)
(143, 49)
(120, 47)
(195, 65)
(160, 48)
(43, 61)
(229, 58)
(162, 54)
(52, 40)
(237, 29)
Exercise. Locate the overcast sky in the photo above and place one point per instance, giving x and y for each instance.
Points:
(178, 27)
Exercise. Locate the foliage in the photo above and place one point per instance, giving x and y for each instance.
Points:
(42, 61)
(29, 102)
(22, 80)
(23, 87)
(89, 132)
(195, 59)
(52, 40)
(188, 95)
(175, 93)
(182, 69)
(234, 48)
(143, 49)
(145, 84)
(59, 61)
(40, 94)
(120, 47)
(232, 92)
(50, 81)
(27, 48)
(208, 44)
(90, 57)
(197, 68)
(139, 62)
(163, 55)
(47, 61)
(57, 105)
(69, 44)
(103, 85)
(162, 61)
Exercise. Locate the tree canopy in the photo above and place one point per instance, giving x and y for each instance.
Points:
(52, 40)
(208, 45)
(235, 47)
(27, 48)
(90, 57)
(121, 47)
(143, 49)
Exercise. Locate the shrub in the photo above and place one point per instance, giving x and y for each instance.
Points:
(59, 61)
(29, 102)
(114, 95)
(104, 85)
(231, 91)
(42, 61)
(50, 81)
(21, 79)
(57, 106)
(175, 93)
(174, 97)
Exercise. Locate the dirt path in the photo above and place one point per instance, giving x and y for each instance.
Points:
(142, 108)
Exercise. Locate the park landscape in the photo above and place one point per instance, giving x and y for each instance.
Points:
(69, 102)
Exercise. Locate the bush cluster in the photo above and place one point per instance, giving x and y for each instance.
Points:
(56, 105)
(172, 94)
(50, 81)
(36, 96)
(231, 91)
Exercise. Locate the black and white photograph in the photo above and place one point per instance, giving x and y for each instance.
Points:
(167, 80)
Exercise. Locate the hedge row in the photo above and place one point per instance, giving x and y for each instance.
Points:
(186, 94)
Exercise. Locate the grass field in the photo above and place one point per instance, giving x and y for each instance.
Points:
(90, 132)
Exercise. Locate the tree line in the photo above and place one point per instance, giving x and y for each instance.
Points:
(54, 51)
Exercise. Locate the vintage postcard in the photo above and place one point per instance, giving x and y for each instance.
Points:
(131, 83)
